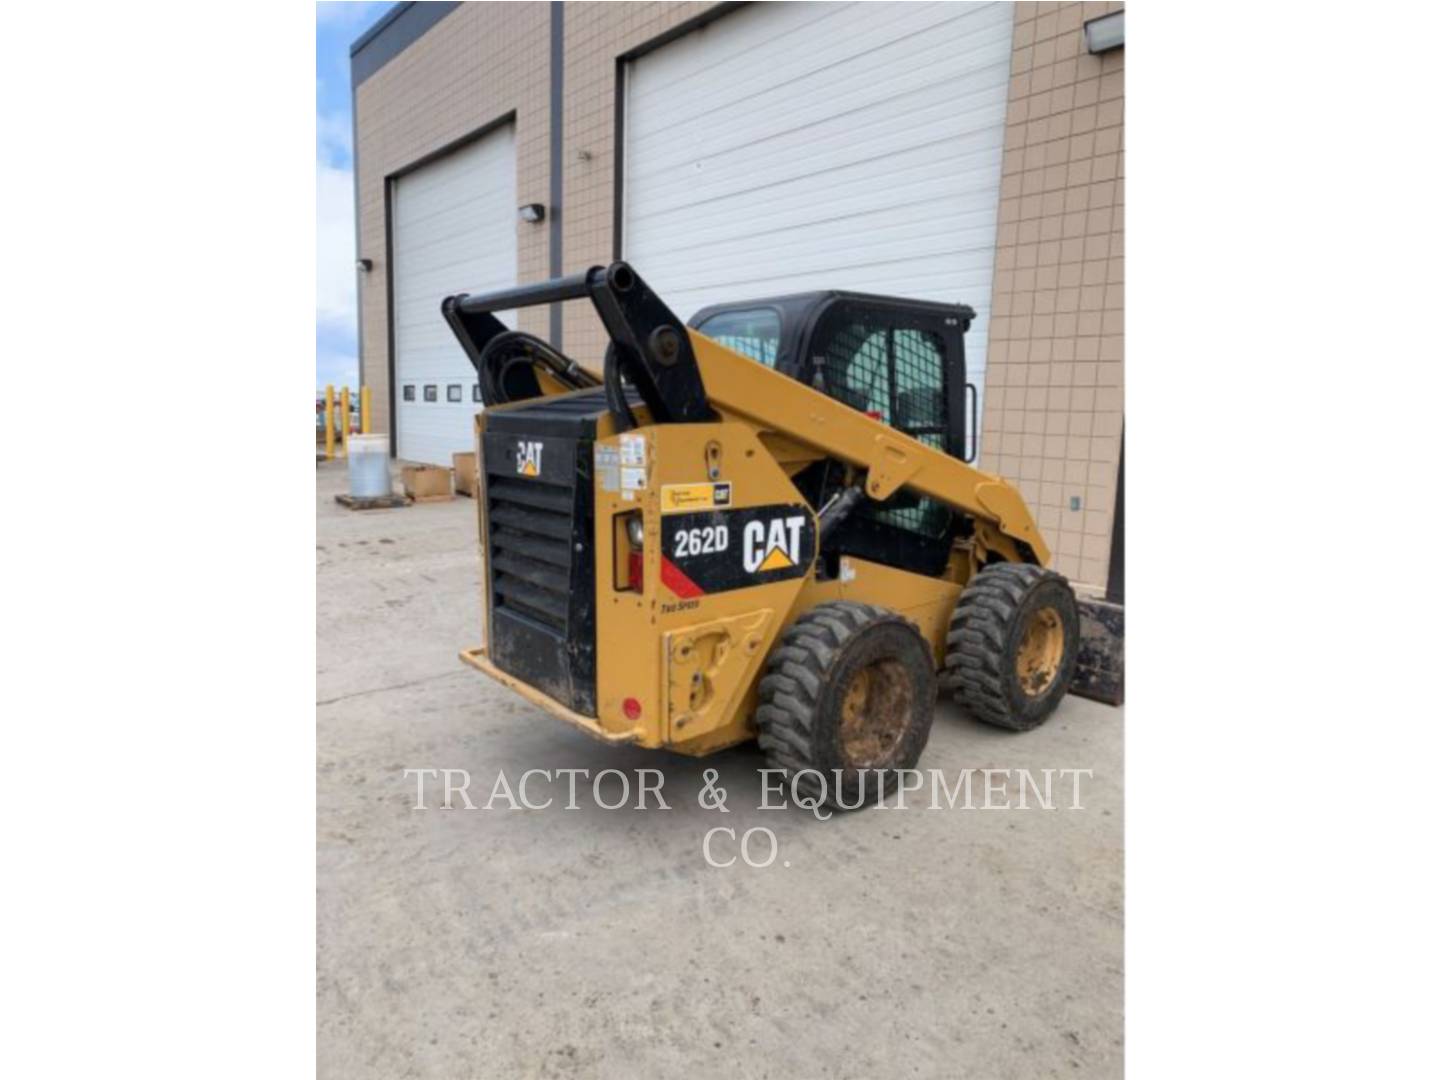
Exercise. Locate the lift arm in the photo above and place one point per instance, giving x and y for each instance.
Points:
(738, 386)
(685, 377)
(652, 349)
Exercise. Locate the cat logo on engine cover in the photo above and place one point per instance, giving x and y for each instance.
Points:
(527, 457)
(720, 550)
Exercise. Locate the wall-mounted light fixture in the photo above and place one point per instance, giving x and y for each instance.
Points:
(532, 212)
(364, 265)
(1105, 33)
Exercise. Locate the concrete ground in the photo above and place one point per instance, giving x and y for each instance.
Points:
(519, 943)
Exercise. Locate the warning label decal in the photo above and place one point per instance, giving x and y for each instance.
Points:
(679, 498)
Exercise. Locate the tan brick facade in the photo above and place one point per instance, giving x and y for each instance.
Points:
(1054, 396)
(1054, 406)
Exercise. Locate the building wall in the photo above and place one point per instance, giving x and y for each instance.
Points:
(595, 35)
(1054, 406)
(1054, 396)
(477, 64)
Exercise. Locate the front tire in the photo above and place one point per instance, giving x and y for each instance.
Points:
(1012, 645)
(850, 694)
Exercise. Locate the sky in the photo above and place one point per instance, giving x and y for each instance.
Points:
(337, 25)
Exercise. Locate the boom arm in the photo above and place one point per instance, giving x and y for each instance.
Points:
(891, 459)
(651, 346)
(681, 373)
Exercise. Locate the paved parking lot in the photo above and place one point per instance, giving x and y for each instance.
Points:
(555, 942)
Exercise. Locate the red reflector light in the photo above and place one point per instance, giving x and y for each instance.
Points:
(631, 708)
(873, 414)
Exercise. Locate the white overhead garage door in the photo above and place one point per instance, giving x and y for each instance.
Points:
(788, 147)
(454, 231)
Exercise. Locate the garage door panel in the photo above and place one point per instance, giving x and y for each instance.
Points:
(726, 253)
(874, 186)
(694, 62)
(850, 161)
(926, 78)
(790, 147)
(907, 230)
(812, 46)
(454, 231)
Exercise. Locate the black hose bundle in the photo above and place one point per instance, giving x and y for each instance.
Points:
(507, 368)
(615, 392)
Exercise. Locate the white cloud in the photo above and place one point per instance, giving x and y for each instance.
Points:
(337, 370)
(334, 244)
(332, 137)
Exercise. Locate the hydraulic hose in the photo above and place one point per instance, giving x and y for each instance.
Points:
(615, 392)
(507, 368)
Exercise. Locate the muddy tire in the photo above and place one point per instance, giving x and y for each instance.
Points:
(850, 687)
(1011, 649)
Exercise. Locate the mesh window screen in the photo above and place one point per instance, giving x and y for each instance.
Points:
(897, 374)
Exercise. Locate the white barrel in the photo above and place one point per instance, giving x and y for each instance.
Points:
(369, 458)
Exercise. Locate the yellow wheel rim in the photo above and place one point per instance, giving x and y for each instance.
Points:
(874, 713)
(1038, 660)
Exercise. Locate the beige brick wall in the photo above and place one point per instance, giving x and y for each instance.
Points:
(474, 66)
(1055, 398)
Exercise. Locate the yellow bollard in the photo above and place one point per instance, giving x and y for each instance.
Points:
(329, 423)
(364, 410)
(344, 421)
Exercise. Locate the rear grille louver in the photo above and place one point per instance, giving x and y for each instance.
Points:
(538, 466)
(530, 529)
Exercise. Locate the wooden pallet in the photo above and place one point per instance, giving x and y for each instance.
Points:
(373, 502)
(431, 498)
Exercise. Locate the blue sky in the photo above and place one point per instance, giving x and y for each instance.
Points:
(336, 26)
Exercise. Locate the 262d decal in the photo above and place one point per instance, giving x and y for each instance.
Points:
(716, 551)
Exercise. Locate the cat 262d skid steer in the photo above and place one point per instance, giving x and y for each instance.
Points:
(759, 525)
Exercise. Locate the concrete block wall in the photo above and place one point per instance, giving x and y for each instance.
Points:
(1055, 398)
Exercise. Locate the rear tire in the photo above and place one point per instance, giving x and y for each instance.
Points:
(1011, 649)
(850, 687)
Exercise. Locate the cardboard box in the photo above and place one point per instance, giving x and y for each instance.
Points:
(465, 474)
(426, 483)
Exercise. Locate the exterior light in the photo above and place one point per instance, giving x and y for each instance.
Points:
(635, 529)
(1105, 33)
(631, 708)
(532, 212)
(364, 265)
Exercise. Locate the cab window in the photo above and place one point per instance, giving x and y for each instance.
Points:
(895, 373)
(754, 333)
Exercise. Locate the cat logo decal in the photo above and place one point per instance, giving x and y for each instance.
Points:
(527, 458)
(772, 545)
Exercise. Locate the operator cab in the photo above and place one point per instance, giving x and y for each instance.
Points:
(898, 361)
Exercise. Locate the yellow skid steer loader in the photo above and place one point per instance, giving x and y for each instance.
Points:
(759, 525)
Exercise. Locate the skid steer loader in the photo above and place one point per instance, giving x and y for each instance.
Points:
(759, 525)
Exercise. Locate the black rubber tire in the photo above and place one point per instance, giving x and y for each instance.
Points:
(801, 693)
(986, 630)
